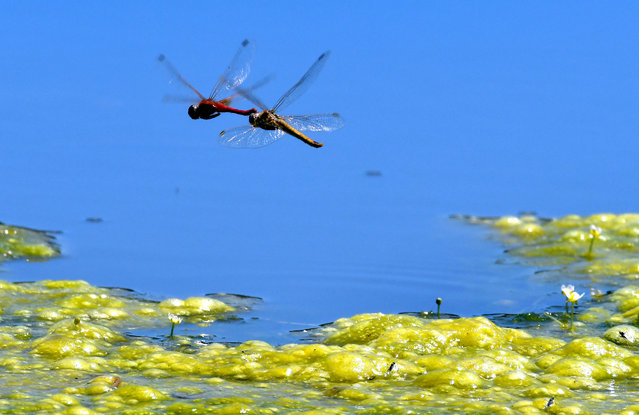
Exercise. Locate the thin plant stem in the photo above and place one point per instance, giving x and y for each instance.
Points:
(172, 328)
(572, 315)
(592, 242)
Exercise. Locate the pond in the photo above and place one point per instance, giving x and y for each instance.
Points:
(449, 110)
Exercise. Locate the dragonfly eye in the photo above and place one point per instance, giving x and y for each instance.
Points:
(252, 118)
(193, 112)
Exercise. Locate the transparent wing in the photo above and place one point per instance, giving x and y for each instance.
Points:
(249, 96)
(247, 93)
(174, 76)
(179, 98)
(248, 136)
(302, 85)
(237, 71)
(315, 122)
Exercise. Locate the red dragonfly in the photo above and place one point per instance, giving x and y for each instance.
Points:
(266, 127)
(231, 79)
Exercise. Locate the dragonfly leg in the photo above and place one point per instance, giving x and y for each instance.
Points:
(210, 116)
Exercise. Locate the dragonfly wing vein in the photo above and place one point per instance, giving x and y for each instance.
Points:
(305, 81)
(248, 137)
(237, 71)
(315, 122)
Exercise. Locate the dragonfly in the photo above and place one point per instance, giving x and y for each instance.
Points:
(231, 79)
(267, 126)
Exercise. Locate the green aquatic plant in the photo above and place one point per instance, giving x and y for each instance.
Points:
(438, 301)
(83, 343)
(558, 244)
(595, 232)
(20, 242)
(571, 298)
(174, 319)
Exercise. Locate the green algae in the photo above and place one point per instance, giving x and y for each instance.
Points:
(69, 347)
(564, 242)
(19, 242)
(369, 363)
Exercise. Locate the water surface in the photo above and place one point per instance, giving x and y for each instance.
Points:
(488, 112)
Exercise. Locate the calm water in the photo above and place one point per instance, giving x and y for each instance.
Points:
(488, 112)
(311, 260)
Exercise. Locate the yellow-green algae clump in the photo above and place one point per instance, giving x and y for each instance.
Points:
(20, 242)
(69, 347)
(566, 241)
(370, 363)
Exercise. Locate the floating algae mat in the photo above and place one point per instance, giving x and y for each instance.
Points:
(69, 347)
(19, 242)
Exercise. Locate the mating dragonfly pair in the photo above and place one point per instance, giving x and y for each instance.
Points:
(264, 127)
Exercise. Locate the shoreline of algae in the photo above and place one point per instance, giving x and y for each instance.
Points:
(69, 347)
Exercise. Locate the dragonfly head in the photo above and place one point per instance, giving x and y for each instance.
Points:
(253, 118)
(193, 112)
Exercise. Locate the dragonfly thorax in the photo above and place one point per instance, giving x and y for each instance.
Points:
(265, 120)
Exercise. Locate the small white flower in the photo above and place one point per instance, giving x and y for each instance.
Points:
(174, 318)
(595, 231)
(567, 289)
(574, 297)
(570, 293)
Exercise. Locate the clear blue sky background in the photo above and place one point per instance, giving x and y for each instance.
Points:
(465, 107)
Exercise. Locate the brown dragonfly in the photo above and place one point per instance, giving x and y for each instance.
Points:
(267, 126)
